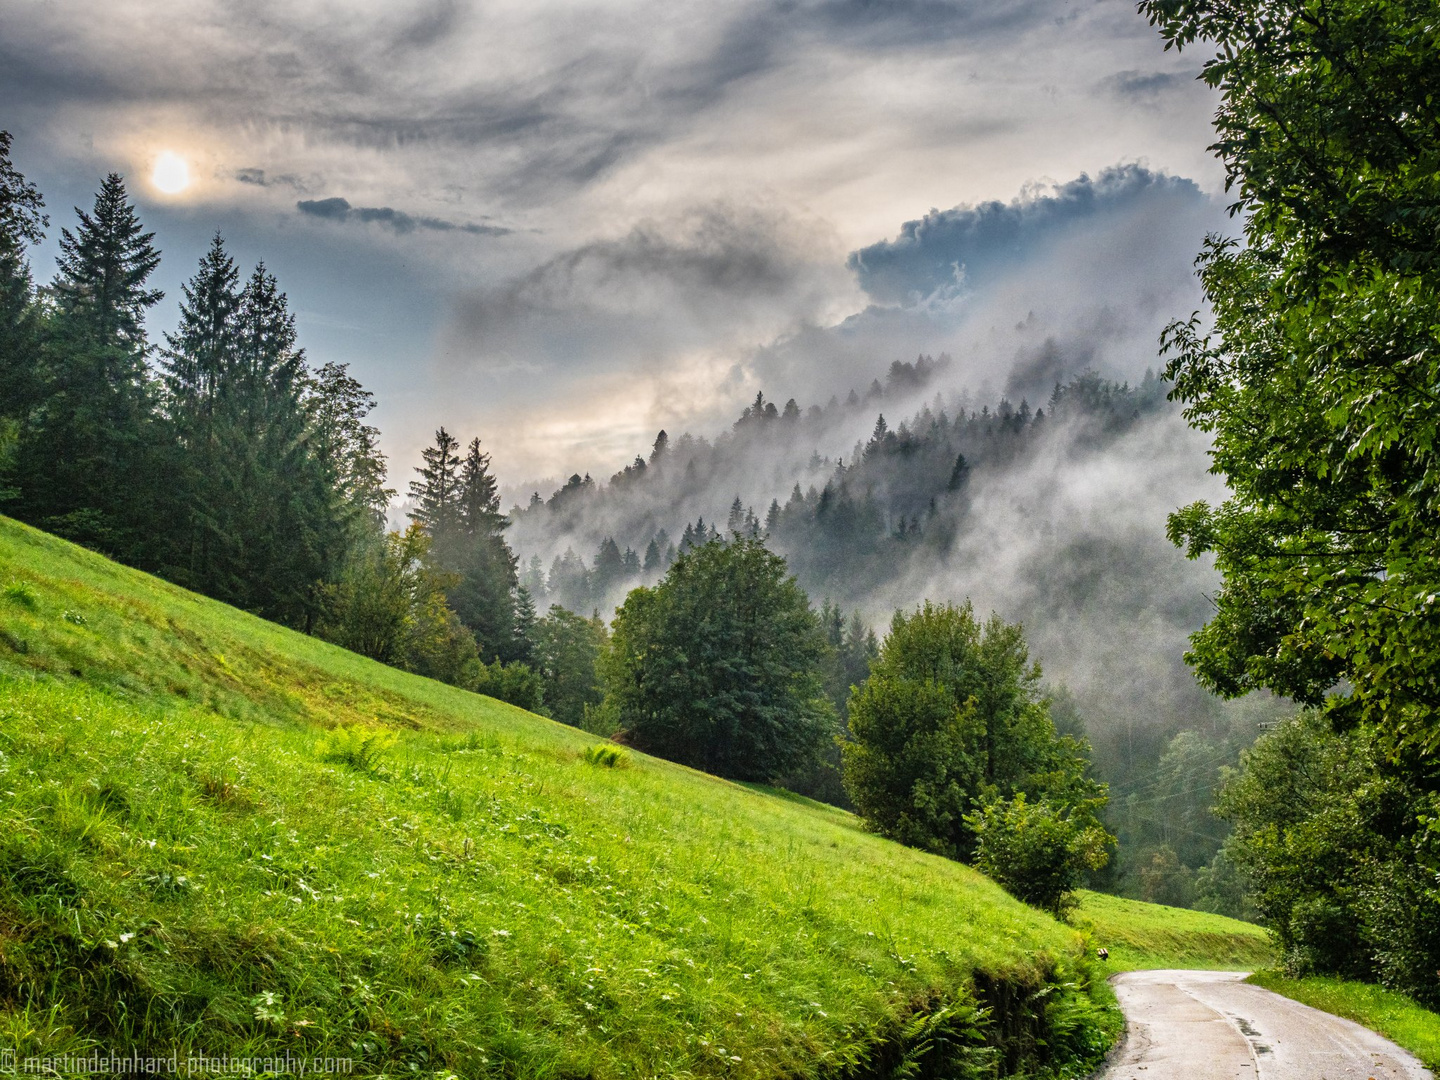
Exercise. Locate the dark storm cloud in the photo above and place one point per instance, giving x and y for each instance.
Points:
(939, 252)
(338, 209)
(259, 178)
(1144, 86)
(590, 98)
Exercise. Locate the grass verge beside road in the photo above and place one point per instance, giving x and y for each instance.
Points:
(1141, 935)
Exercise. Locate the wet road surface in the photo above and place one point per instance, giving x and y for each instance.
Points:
(1209, 1025)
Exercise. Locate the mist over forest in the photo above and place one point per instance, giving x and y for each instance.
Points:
(1049, 310)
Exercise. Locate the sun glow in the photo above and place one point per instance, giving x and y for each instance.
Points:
(171, 174)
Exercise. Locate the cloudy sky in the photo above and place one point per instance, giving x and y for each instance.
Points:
(561, 226)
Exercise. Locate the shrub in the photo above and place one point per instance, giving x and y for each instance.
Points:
(22, 595)
(1038, 852)
(515, 683)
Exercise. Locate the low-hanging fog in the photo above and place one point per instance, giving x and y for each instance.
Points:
(1059, 520)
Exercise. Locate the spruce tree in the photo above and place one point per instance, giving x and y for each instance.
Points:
(201, 351)
(608, 568)
(485, 594)
(263, 519)
(347, 446)
(22, 223)
(293, 517)
(105, 266)
(437, 492)
(87, 459)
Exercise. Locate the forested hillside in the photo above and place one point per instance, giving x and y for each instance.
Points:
(1047, 511)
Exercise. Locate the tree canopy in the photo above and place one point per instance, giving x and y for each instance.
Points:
(1317, 377)
(718, 666)
(951, 718)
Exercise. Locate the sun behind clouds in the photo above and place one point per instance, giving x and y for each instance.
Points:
(171, 174)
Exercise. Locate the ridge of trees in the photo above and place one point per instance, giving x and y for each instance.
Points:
(903, 489)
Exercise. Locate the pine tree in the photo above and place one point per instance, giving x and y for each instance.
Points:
(294, 517)
(263, 519)
(437, 492)
(485, 594)
(736, 521)
(608, 568)
(87, 460)
(523, 633)
(22, 223)
(959, 474)
(104, 268)
(199, 357)
(653, 557)
(201, 351)
(348, 447)
(533, 580)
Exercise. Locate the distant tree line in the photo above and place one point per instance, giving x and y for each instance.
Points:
(903, 491)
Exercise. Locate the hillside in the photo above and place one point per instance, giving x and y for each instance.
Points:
(194, 859)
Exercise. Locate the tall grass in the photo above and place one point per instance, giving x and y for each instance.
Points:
(219, 836)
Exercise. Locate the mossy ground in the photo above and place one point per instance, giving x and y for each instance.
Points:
(202, 848)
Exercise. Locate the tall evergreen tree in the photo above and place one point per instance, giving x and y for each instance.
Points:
(348, 447)
(608, 568)
(22, 223)
(437, 492)
(263, 520)
(87, 459)
(201, 352)
(486, 593)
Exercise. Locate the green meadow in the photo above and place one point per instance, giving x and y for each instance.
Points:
(218, 836)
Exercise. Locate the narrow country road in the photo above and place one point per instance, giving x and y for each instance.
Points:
(1209, 1025)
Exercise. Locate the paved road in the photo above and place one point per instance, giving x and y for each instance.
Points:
(1208, 1025)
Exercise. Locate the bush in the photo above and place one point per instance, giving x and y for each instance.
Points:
(359, 748)
(514, 683)
(1038, 852)
(1337, 847)
(607, 755)
(21, 595)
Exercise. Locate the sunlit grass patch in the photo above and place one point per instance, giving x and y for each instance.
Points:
(230, 837)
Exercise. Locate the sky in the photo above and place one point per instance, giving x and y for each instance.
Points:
(560, 226)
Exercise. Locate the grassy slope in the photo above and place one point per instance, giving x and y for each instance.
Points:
(184, 866)
(1141, 935)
